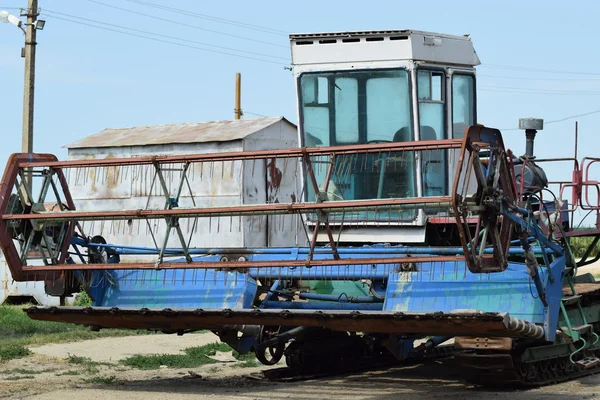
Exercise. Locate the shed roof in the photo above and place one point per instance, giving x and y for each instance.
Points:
(189, 132)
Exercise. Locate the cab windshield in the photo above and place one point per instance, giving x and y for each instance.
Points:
(357, 107)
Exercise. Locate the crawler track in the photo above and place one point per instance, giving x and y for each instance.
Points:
(496, 370)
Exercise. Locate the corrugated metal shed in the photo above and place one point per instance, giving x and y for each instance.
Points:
(191, 132)
(210, 184)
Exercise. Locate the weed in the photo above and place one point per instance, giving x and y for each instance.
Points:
(11, 351)
(19, 377)
(73, 359)
(579, 245)
(244, 357)
(248, 360)
(24, 371)
(91, 369)
(193, 357)
(82, 299)
(88, 366)
(69, 373)
(105, 380)
(212, 370)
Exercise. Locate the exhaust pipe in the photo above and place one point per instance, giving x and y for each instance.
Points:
(531, 126)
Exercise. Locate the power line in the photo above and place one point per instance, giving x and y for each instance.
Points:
(536, 93)
(183, 24)
(210, 17)
(255, 114)
(512, 89)
(572, 116)
(164, 36)
(537, 79)
(560, 120)
(548, 71)
(164, 41)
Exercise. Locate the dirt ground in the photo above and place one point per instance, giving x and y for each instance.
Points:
(593, 269)
(226, 381)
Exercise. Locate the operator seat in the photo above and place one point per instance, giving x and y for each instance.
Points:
(403, 135)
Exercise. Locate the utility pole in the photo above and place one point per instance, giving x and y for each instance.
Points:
(28, 96)
(238, 96)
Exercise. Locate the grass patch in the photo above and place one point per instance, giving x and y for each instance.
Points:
(10, 351)
(88, 366)
(194, 357)
(105, 380)
(24, 371)
(580, 244)
(19, 377)
(82, 300)
(73, 359)
(18, 331)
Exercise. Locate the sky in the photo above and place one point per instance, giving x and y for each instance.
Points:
(539, 59)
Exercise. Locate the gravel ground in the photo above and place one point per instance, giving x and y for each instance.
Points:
(226, 381)
(115, 349)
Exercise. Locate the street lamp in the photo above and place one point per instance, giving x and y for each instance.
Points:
(8, 18)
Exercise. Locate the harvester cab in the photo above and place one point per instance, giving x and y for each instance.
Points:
(419, 225)
(384, 87)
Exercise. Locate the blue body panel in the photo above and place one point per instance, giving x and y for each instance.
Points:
(448, 287)
(435, 287)
(175, 289)
(439, 287)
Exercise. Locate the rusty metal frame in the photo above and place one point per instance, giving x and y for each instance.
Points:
(490, 223)
(185, 320)
(242, 210)
(471, 144)
(252, 155)
(9, 180)
(245, 265)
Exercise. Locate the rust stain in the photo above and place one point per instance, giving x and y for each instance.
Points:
(91, 174)
(275, 174)
(112, 174)
(274, 180)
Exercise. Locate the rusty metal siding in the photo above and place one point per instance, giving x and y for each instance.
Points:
(281, 179)
(212, 184)
(193, 132)
(128, 187)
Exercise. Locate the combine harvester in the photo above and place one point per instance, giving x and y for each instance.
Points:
(420, 225)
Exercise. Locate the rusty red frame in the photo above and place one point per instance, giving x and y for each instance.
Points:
(19, 162)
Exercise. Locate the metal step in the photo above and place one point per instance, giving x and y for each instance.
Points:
(567, 300)
(589, 362)
(583, 329)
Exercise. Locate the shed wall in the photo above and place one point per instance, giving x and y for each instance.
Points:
(212, 184)
(281, 180)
